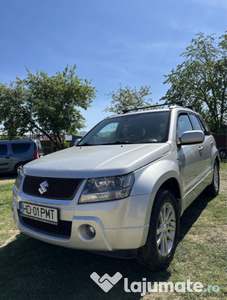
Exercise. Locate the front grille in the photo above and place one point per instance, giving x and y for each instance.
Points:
(54, 188)
(62, 229)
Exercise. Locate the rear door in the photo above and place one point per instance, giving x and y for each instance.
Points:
(205, 147)
(4, 158)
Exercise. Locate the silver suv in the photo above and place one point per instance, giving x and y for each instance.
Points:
(123, 188)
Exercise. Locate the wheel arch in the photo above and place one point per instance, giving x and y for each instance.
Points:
(164, 174)
(217, 159)
(172, 186)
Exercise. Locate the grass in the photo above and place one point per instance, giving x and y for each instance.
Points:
(30, 269)
(7, 226)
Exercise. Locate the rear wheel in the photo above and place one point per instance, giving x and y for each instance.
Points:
(213, 189)
(161, 243)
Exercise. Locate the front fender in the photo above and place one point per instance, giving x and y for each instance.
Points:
(150, 178)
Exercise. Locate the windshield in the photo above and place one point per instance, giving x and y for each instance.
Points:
(130, 129)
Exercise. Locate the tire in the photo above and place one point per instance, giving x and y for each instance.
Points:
(19, 168)
(222, 153)
(213, 189)
(162, 238)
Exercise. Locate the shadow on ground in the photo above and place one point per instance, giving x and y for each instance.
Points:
(31, 269)
(192, 213)
(8, 176)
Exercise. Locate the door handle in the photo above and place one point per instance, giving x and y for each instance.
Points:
(200, 148)
(7, 157)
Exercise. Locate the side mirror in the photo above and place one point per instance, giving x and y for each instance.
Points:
(76, 142)
(192, 137)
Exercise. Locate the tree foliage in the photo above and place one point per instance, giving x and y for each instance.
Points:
(128, 98)
(201, 80)
(12, 105)
(49, 104)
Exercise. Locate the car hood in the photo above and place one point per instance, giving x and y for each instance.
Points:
(95, 161)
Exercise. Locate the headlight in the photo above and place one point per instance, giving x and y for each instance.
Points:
(19, 181)
(107, 188)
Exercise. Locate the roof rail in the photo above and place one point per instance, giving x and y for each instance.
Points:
(190, 107)
(180, 103)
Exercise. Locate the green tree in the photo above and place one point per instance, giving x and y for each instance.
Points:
(128, 98)
(52, 102)
(201, 80)
(12, 107)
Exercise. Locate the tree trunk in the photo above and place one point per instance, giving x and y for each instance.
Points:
(45, 133)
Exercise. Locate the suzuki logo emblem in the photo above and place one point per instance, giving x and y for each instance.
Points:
(43, 186)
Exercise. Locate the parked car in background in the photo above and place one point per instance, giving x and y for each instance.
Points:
(123, 187)
(14, 154)
(223, 152)
(39, 147)
(221, 141)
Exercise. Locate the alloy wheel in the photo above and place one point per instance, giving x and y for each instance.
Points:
(166, 229)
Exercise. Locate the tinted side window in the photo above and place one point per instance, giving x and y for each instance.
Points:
(184, 124)
(206, 128)
(20, 147)
(3, 149)
(195, 122)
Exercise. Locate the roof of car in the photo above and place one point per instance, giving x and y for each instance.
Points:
(138, 111)
(16, 141)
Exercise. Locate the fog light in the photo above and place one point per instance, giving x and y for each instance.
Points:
(90, 230)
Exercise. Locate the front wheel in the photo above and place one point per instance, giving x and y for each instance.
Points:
(161, 243)
(19, 168)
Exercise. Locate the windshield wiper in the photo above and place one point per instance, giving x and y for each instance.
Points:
(119, 143)
(113, 143)
(85, 144)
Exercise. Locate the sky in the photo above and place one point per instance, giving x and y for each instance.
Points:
(129, 42)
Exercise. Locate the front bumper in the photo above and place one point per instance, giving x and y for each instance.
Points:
(119, 225)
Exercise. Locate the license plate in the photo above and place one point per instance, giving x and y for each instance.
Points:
(39, 213)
